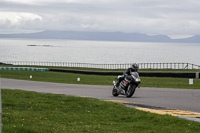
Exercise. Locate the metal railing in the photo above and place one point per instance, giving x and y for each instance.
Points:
(168, 66)
(106, 66)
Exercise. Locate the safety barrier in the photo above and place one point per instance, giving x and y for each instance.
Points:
(143, 74)
(86, 72)
(24, 68)
(170, 74)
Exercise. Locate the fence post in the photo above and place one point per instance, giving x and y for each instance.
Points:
(197, 75)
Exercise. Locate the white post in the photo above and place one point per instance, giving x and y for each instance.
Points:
(190, 81)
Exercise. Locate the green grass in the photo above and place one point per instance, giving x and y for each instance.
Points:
(31, 112)
(71, 78)
(170, 83)
(58, 77)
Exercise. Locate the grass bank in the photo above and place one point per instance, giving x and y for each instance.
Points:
(31, 112)
(71, 78)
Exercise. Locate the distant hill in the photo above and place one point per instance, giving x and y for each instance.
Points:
(101, 36)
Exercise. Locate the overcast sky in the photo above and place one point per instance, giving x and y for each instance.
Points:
(169, 17)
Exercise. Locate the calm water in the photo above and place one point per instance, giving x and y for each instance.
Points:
(97, 51)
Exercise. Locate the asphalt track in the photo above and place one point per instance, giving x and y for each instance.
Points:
(179, 99)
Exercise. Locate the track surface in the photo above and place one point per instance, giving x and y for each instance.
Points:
(181, 99)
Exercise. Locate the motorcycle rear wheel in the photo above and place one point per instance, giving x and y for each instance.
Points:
(114, 91)
(131, 90)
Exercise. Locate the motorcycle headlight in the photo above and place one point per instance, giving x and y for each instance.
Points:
(137, 80)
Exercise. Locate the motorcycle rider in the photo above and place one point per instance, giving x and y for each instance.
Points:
(133, 68)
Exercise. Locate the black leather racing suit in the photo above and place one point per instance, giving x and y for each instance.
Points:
(129, 70)
(126, 73)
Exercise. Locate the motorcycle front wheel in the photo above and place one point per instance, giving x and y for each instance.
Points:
(131, 90)
(114, 91)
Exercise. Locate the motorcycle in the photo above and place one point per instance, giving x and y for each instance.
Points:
(127, 86)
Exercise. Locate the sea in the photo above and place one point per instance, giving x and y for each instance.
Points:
(98, 52)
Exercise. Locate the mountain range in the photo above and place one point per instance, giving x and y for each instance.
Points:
(101, 36)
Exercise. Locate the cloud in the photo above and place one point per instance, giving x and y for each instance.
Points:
(150, 17)
(43, 2)
(16, 20)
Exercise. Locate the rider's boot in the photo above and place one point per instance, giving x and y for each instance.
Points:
(117, 84)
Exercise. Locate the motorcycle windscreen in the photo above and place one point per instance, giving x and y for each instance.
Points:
(135, 74)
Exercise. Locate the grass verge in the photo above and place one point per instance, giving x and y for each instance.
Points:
(31, 112)
(71, 78)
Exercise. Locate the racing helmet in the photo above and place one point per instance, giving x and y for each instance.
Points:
(135, 66)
